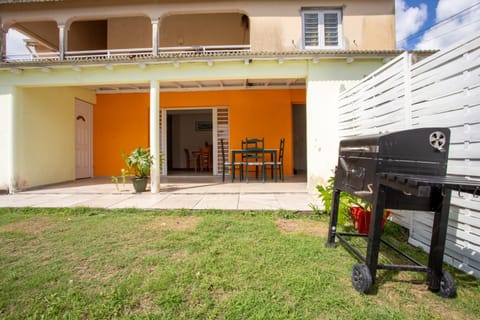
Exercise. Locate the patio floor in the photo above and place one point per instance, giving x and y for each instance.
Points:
(175, 193)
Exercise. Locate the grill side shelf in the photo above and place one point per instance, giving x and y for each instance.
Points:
(420, 185)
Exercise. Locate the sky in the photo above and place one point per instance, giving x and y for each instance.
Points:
(435, 24)
(420, 24)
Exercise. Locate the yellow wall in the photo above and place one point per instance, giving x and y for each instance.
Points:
(121, 120)
(45, 134)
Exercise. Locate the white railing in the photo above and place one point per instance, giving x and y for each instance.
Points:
(127, 53)
(441, 90)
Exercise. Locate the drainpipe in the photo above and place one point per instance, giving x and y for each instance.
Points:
(155, 135)
(155, 37)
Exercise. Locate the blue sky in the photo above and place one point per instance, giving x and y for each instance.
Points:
(452, 21)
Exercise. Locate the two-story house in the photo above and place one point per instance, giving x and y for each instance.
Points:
(110, 75)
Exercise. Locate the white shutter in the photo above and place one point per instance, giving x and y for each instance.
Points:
(311, 29)
(322, 29)
(330, 29)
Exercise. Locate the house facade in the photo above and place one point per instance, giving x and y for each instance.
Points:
(107, 76)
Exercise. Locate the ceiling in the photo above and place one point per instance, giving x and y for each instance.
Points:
(204, 85)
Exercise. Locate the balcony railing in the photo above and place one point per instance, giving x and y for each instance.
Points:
(125, 53)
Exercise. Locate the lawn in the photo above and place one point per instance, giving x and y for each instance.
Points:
(132, 264)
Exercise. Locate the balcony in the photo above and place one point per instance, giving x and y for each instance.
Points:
(133, 38)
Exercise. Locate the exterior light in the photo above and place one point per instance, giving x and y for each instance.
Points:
(350, 60)
(210, 63)
(109, 67)
(176, 64)
(76, 68)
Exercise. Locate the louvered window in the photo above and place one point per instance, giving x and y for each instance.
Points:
(322, 29)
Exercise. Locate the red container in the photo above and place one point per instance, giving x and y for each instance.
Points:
(361, 219)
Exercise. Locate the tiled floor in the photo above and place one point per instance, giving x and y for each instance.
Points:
(175, 193)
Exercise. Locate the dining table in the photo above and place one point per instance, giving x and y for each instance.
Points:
(271, 152)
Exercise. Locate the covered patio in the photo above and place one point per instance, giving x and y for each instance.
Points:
(205, 192)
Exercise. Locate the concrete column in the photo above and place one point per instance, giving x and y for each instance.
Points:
(155, 40)
(61, 41)
(155, 135)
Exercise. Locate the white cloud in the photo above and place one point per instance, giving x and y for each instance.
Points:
(408, 20)
(453, 30)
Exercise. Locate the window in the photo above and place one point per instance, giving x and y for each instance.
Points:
(322, 29)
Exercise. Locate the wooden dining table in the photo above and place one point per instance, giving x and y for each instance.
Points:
(272, 152)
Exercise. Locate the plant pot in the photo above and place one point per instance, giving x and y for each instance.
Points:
(140, 184)
(361, 219)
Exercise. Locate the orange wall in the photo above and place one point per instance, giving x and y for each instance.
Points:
(121, 120)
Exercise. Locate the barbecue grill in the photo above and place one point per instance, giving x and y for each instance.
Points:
(399, 170)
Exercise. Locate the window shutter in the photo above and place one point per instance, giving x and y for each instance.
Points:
(322, 29)
(311, 29)
(330, 23)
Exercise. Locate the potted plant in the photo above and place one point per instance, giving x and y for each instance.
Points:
(139, 162)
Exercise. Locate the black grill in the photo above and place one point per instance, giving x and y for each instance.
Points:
(399, 170)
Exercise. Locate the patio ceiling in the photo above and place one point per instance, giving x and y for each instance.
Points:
(236, 84)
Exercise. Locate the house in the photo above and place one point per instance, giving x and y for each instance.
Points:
(106, 76)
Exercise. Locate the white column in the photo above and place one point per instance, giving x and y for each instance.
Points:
(155, 135)
(61, 41)
(155, 37)
(7, 138)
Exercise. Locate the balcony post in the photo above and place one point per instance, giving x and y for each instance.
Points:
(3, 42)
(61, 41)
(155, 37)
(155, 135)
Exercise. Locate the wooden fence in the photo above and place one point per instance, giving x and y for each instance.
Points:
(441, 90)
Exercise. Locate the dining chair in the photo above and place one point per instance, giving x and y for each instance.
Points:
(271, 164)
(189, 161)
(204, 159)
(226, 163)
(254, 152)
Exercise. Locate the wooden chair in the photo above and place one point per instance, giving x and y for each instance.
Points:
(204, 159)
(226, 163)
(254, 156)
(190, 161)
(271, 164)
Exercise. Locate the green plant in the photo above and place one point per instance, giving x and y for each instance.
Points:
(346, 201)
(138, 162)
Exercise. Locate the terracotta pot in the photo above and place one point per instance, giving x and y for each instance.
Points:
(361, 219)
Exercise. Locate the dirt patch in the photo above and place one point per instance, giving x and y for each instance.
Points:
(35, 225)
(173, 223)
(314, 228)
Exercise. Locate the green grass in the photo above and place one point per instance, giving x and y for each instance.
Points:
(132, 264)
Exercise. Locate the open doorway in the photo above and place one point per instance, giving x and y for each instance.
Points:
(188, 131)
(299, 119)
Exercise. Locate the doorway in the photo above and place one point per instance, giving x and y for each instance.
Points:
(187, 132)
(299, 119)
(83, 139)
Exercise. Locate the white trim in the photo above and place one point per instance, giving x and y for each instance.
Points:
(163, 137)
(214, 141)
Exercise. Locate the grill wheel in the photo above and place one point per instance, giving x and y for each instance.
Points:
(361, 278)
(448, 288)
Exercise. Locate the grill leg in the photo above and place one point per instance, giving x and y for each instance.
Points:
(437, 245)
(332, 229)
(375, 232)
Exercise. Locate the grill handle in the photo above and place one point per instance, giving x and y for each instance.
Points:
(373, 148)
(364, 192)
